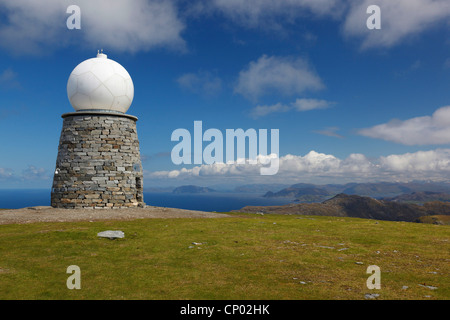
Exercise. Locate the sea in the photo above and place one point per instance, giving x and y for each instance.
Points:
(214, 201)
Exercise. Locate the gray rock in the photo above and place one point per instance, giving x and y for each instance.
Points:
(326, 247)
(39, 208)
(371, 295)
(428, 287)
(111, 234)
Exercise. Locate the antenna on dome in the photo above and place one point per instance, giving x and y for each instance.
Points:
(100, 54)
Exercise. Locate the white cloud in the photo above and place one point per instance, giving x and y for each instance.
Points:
(283, 75)
(400, 19)
(298, 105)
(427, 130)
(261, 111)
(202, 82)
(35, 23)
(319, 167)
(41, 25)
(434, 161)
(310, 104)
(148, 24)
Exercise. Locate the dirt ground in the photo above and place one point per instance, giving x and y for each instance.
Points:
(49, 214)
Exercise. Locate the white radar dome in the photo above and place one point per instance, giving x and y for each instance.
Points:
(100, 84)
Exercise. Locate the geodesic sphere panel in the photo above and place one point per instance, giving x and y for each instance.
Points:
(100, 84)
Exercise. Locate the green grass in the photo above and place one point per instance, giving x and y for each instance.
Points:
(242, 257)
(437, 219)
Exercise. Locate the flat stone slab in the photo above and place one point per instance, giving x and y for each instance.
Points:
(111, 234)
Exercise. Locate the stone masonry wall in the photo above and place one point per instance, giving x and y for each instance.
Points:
(98, 163)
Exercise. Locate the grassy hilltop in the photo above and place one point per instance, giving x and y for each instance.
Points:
(247, 256)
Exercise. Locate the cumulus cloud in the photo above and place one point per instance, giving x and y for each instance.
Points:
(41, 25)
(321, 167)
(298, 105)
(427, 130)
(282, 75)
(400, 20)
(433, 161)
(203, 83)
(148, 24)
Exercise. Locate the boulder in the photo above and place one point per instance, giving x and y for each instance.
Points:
(111, 234)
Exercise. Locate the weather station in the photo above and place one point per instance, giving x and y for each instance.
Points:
(98, 164)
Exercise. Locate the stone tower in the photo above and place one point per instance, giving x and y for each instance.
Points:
(98, 163)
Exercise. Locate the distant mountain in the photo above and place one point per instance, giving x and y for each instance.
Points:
(156, 189)
(420, 197)
(377, 189)
(305, 191)
(192, 189)
(259, 188)
(343, 205)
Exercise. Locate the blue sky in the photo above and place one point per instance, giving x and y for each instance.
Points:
(351, 104)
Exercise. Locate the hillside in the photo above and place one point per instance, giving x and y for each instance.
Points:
(437, 219)
(298, 192)
(420, 197)
(343, 205)
(377, 189)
